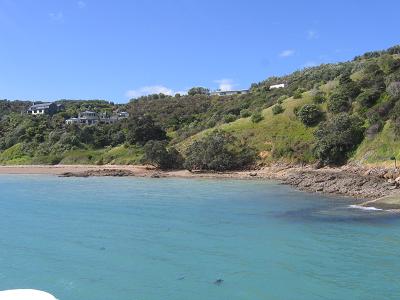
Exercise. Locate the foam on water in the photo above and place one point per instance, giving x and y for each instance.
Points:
(368, 208)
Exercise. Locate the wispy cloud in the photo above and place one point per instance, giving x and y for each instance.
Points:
(287, 53)
(152, 89)
(81, 4)
(225, 84)
(56, 17)
(312, 34)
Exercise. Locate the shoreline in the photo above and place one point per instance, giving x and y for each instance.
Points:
(355, 182)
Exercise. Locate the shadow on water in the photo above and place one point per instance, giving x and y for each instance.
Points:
(341, 213)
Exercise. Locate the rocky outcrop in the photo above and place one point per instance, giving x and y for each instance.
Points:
(102, 172)
(352, 181)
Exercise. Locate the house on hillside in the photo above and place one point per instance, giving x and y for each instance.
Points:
(229, 93)
(123, 115)
(88, 118)
(48, 108)
(72, 121)
(92, 118)
(277, 86)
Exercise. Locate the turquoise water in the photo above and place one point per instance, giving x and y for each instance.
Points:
(153, 239)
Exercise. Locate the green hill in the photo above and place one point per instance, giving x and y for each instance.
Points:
(332, 113)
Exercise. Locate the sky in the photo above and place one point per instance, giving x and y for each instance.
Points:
(121, 49)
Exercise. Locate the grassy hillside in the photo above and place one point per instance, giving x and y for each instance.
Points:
(330, 114)
(15, 155)
(274, 137)
(379, 149)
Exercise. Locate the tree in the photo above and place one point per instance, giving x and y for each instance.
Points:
(338, 103)
(309, 114)
(336, 137)
(218, 151)
(198, 91)
(143, 129)
(157, 154)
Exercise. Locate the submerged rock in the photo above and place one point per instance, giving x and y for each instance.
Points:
(218, 281)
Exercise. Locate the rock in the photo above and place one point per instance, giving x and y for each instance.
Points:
(253, 174)
(368, 172)
(218, 282)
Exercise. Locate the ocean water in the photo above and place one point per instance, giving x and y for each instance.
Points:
(153, 239)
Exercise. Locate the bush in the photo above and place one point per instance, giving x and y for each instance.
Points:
(369, 97)
(338, 103)
(245, 113)
(277, 109)
(318, 97)
(336, 137)
(282, 98)
(229, 118)
(393, 89)
(298, 94)
(157, 154)
(219, 151)
(309, 114)
(257, 117)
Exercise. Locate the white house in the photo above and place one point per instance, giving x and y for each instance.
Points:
(277, 86)
(92, 118)
(228, 93)
(47, 108)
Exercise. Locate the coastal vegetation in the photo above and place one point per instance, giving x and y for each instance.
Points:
(328, 114)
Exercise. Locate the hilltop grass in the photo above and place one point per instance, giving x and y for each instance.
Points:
(281, 135)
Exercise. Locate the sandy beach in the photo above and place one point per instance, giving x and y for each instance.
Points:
(96, 170)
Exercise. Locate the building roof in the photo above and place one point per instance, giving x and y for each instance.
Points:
(228, 92)
(41, 106)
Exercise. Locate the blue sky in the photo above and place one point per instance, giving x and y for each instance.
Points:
(114, 50)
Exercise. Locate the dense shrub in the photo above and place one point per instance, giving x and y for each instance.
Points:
(309, 114)
(336, 137)
(318, 97)
(298, 93)
(368, 98)
(393, 89)
(219, 151)
(245, 113)
(338, 103)
(229, 118)
(256, 117)
(277, 109)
